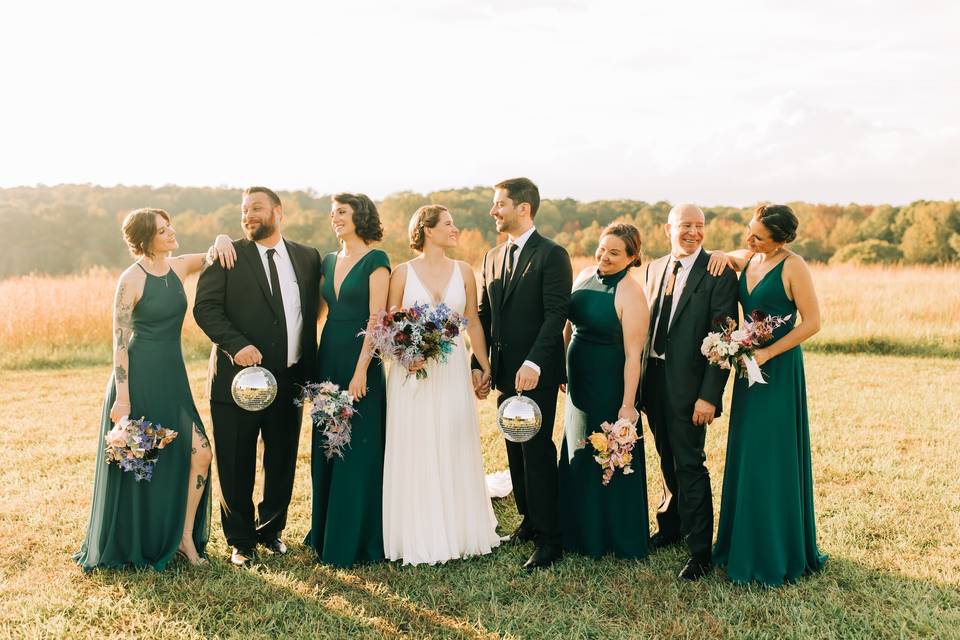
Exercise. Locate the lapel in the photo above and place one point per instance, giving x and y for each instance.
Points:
(658, 268)
(494, 275)
(696, 275)
(523, 262)
(252, 255)
(298, 269)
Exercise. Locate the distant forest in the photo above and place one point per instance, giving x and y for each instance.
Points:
(68, 228)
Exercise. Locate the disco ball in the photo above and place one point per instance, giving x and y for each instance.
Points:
(519, 418)
(253, 388)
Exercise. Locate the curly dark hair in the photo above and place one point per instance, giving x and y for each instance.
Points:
(139, 228)
(426, 217)
(780, 220)
(365, 217)
(630, 236)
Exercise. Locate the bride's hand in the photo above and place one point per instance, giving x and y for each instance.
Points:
(119, 409)
(416, 366)
(629, 413)
(358, 385)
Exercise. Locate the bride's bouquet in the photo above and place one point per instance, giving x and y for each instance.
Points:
(134, 445)
(331, 410)
(731, 348)
(416, 334)
(614, 447)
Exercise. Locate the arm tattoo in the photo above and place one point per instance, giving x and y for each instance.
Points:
(200, 482)
(121, 373)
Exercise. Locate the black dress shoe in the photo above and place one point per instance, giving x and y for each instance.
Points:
(543, 556)
(662, 541)
(523, 533)
(695, 569)
(275, 546)
(243, 557)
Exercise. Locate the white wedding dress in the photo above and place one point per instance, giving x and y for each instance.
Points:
(435, 502)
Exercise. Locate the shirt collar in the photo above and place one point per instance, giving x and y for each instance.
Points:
(522, 238)
(687, 262)
(281, 248)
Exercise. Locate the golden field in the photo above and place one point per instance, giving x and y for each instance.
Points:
(65, 320)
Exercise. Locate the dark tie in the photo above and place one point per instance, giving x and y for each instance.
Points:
(508, 265)
(275, 281)
(666, 306)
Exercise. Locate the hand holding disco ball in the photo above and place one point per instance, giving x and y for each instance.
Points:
(254, 388)
(519, 418)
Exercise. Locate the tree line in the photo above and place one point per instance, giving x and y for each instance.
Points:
(67, 228)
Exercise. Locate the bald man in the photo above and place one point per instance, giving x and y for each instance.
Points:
(681, 394)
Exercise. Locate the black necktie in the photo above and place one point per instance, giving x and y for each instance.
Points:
(275, 281)
(508, 266)
(666, 305)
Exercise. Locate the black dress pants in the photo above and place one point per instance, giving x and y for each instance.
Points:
(687, 505)
(235, 433)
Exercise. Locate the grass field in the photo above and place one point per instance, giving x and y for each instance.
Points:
(886, 448)
(65, 321)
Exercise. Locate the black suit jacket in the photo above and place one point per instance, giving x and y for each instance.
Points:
(235, 309)
(703, 299)
(525, 321)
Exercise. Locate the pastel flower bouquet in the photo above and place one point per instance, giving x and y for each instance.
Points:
(731, 348)
(331, 411)
(134, 446)
(614, 447)
(418, 334)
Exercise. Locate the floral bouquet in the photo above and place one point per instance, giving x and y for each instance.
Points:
(135, 444)
(416, 334)
(733, 348)
(331, 411)
(614, 447)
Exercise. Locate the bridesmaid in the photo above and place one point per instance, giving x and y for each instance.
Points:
(143, 524)
(767, 532)
(347, 493)
(606, 332)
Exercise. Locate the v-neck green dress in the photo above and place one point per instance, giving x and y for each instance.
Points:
(347, 522)
(767, 531)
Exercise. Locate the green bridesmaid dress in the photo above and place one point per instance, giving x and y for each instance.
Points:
(134, 523)
(767, 532)
(595, 519)
(347, 522)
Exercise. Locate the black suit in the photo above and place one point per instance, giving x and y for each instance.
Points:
(524, 320)
(672, 387)
(235, 309)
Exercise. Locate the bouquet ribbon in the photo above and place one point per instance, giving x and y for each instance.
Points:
(754, 374)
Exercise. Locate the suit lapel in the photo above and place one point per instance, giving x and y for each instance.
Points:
(523, 262)
(252, 255)
(658, 268)
(696, 275)
(495, 275)
(298, 269)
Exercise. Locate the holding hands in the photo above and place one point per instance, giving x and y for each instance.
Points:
(482, 381)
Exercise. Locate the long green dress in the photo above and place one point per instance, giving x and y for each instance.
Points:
(347, 519)
(134, 523)
(767, 532)
(595, 519)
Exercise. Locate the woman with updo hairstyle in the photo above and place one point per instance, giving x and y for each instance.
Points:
(605, 337)
(767, 528)
(146, 522)
(437, 509)
(348, 492)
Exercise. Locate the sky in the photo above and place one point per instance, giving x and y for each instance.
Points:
(709, 102)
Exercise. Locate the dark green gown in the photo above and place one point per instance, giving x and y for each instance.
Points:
(134, 523)
(347, 522)
(767, 532)
(594, 519)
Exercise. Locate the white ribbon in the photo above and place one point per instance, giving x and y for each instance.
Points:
(754, 374)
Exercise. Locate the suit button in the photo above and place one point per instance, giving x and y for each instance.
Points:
(276, 322)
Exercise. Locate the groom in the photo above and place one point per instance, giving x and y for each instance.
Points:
(261, 312)
(523, 309)
(681, 392)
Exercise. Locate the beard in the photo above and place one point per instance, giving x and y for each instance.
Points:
(264, 230)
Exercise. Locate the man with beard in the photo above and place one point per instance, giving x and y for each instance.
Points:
(263, 312)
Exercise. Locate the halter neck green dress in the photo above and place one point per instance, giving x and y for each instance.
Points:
(767, 531)
(140, 524)
(596, 520)
(347, 517)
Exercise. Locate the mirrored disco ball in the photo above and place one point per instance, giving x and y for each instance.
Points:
(254, 388)
(519, 418)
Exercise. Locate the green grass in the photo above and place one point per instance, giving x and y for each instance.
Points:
(886, 448)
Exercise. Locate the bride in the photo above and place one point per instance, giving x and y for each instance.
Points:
(435, 503)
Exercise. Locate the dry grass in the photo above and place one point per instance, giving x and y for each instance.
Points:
(886, 447)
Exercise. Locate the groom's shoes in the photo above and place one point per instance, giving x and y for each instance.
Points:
(662, 541)
(275, 546)
(543, 556)
(241, 557)
(696, 568)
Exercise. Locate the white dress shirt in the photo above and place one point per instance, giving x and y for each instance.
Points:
(290, 291)
(520, 241)
(686, 264)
